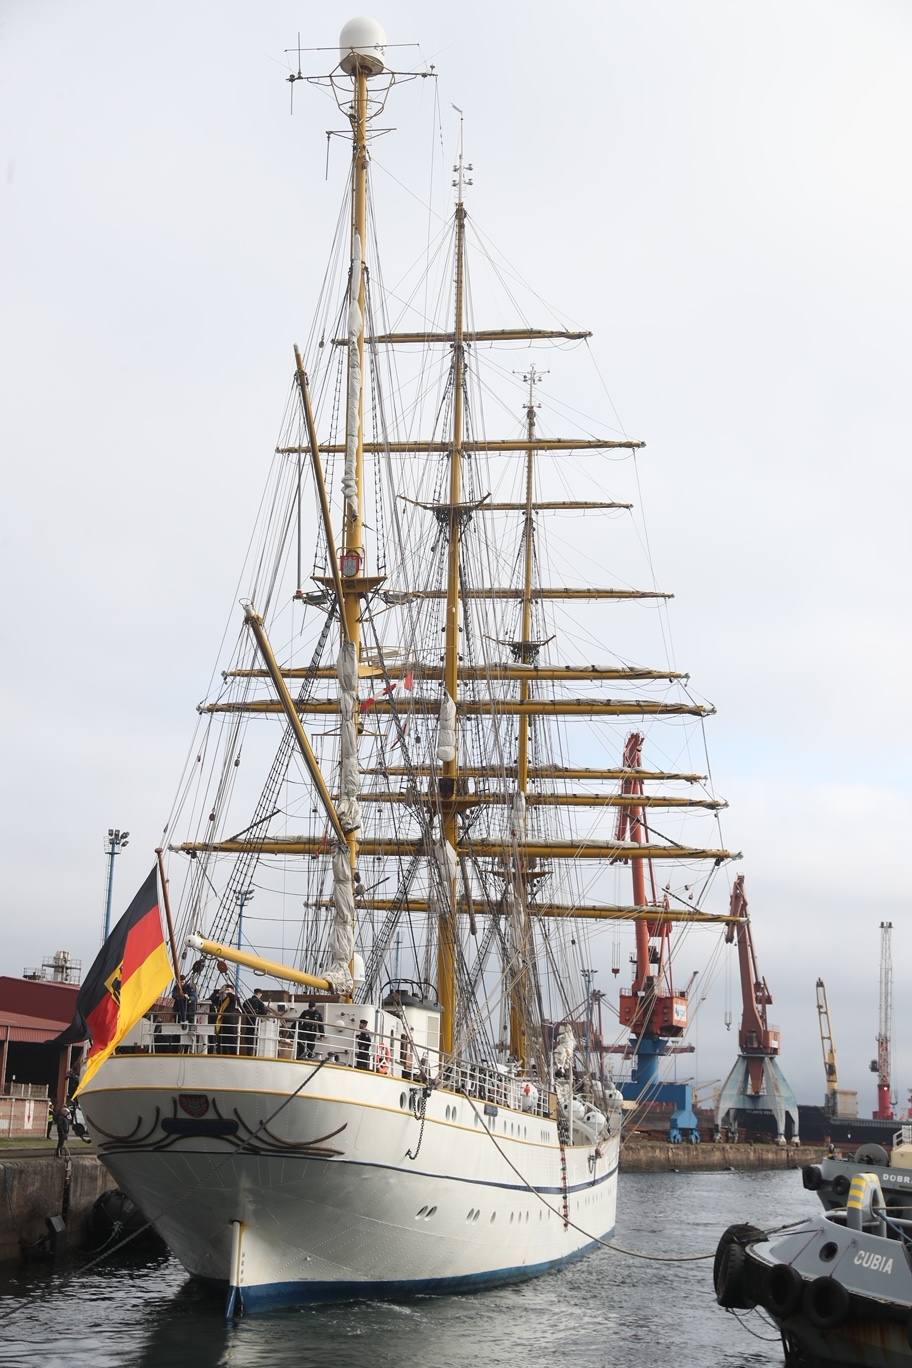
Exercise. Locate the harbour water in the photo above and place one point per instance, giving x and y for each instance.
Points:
(607, 1311)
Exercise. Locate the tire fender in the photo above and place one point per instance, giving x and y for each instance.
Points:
(730, 1266)
(782, 1294)
(826, 1303)
(840, 1185)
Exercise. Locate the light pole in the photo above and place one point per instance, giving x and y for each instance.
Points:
(114, 844)
(244, 896)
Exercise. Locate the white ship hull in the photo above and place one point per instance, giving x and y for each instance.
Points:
(337, 1190)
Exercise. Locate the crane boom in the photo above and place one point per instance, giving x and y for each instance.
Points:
(829, 1050)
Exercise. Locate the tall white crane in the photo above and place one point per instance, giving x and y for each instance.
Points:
(881, 1065)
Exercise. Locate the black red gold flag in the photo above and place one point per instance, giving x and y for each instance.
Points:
(130, 972)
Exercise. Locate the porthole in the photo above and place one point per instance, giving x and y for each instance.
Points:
(422, 1211)
(403, 1101)
(511, 1217)
(477, 1214)
(431, 1211)
(470, 1215)
(493, 1217)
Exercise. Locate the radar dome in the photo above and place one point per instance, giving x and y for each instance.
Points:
(361, 44)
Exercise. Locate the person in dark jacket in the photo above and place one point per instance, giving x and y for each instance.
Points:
(227, 1022)
(363, 1046)
(310, 1030)
(251, 1008)
(62, 1122)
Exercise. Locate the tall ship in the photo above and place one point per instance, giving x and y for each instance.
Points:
(418, 795)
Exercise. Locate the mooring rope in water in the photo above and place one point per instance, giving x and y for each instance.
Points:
(605, 1244)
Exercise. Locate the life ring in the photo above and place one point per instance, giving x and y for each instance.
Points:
(811, 1177)
(730, 1266)
(782, 1294)
(383, 1059)
(826, 1303)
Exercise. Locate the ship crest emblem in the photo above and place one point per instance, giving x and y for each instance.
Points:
(194, 1104)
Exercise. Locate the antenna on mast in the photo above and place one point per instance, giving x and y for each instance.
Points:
(461, 167)
(532, 377)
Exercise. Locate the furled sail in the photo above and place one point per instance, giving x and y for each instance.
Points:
(446, 729)
(342, 934)
(349, 808)
(355, 329)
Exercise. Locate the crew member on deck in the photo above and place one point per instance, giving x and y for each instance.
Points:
(310, 1030)
(363, 1046)
(251, 1008)
(227, 1020)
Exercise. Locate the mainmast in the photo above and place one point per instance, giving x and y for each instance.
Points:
(446, 933)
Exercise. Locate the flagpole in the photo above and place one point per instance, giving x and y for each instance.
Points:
(167, 902)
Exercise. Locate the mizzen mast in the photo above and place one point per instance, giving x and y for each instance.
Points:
(448, 740)
(526, 651)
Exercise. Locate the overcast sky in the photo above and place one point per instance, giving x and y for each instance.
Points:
(719, 190)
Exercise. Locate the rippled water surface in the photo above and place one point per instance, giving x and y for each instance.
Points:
(606, 1311)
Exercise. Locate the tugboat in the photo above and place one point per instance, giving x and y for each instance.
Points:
(832, 1177)
(838, 1285)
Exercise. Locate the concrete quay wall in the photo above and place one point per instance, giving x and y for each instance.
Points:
(648, 1156)
(34, 1188)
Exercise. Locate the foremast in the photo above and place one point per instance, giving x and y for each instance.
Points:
(360, 64)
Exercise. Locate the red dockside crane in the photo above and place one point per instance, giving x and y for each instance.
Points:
(651, 1008)
(881, 1065)
(756, 1081)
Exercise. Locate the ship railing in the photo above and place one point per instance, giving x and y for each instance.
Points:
(274, 1036)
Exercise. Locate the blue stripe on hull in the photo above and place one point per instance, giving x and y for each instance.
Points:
(269, 1296)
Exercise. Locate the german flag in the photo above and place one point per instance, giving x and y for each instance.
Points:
(131, 970)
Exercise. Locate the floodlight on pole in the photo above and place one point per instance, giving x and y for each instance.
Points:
(244, 896)
(113, 845)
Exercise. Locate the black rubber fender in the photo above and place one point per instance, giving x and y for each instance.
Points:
(872, 1153)
(825, 1303)
(812, 1177)
(840, 1185)
(782, 1293)
(730, 1264)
